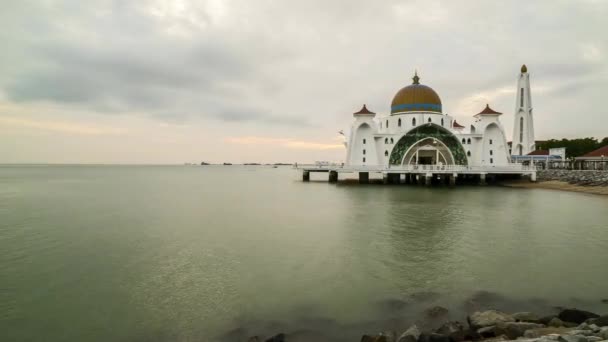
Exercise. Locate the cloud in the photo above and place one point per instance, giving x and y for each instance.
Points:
(283, 142)
(63, 127)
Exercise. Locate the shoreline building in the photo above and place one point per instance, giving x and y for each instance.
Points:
(418, 132)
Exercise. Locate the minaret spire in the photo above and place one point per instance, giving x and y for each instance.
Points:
(523, 129)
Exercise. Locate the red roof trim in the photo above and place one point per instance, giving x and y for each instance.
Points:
(457, 125)
(364, 110)
(602, 151)
(489, 111)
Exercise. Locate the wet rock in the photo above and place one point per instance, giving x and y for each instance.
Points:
(572, 338)
(526, 317)
(601, 321)
(514, 330)
(433, 337)
(456, 331)
(488, 318)
(605, 301)
(486, 332)
(594, 338)
(576, 316)
(375, 338)
(391, 336)
(277, 338)
(535, 333)
(436, 312)
(603, 333)
(410, 335)
(546, 319)
(580, 332)
(556, 322)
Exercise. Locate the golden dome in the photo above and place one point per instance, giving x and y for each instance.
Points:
(416, 98)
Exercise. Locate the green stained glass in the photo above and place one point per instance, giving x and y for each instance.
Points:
(428, 131)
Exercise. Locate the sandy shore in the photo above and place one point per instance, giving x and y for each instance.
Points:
(557, 185)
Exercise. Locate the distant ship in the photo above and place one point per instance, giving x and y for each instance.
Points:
(204, 163)
(227, 163)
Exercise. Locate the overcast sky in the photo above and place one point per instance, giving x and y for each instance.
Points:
(164, 81)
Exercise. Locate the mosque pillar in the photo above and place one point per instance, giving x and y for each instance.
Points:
(305, 176)
(453, 179)
(333, 176)
(385, 178)
(482, 179)
(363, 177)
(533, 177)
(428, 179)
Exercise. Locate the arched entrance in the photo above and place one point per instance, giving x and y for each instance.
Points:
(429, 151)
(433, 143)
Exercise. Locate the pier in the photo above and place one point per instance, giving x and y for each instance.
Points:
(422, 174)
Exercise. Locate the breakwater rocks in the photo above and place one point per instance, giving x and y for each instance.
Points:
(578, 177)
(569, 325)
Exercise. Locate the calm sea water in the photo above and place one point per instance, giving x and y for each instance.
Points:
(176, 253)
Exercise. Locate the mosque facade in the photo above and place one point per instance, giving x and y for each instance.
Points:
(418, 132)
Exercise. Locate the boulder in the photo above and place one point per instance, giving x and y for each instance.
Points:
(594, 338)
(546, 319)
(580, 332)
(601, 321)
(535, 333)
(390, 336)
(603, 333)
(556, 322)
(410, 335)
(433, 337)
(486, 332)
(514, 330)
(576, 316)
(456, 331)
(572, 338)
(488, 318)
(526, 317)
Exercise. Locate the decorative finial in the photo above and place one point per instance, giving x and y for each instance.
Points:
(524, 69)
(416, 78)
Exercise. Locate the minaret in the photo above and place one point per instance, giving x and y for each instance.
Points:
(523, 128)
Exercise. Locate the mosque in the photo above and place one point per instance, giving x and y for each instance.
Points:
(418, 132)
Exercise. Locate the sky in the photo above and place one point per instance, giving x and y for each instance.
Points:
(165, 82)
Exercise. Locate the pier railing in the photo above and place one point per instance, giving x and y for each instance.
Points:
(416, 168)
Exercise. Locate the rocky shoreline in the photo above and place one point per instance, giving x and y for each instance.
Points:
(568, 325)
(575, 177)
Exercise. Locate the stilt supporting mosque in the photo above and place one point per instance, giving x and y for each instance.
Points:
(443, 175)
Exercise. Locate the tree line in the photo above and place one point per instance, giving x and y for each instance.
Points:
(574, 147)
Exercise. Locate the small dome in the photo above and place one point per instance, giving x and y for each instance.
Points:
(416, 98)
(524, 69)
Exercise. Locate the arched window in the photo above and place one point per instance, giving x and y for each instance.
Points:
(469, 141)
(464, 141)
(363, 152)
(386, 153)
(430, 120)
(491, 161)
(491, 153)
(364, 141)
(386, 123)
(490, 141)
(441, 121)
(385, 140)
(521, 100)
(399, 122)
(413, 121)
(364, 159)
(521, 129)
(392, 141)
(468, 153)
